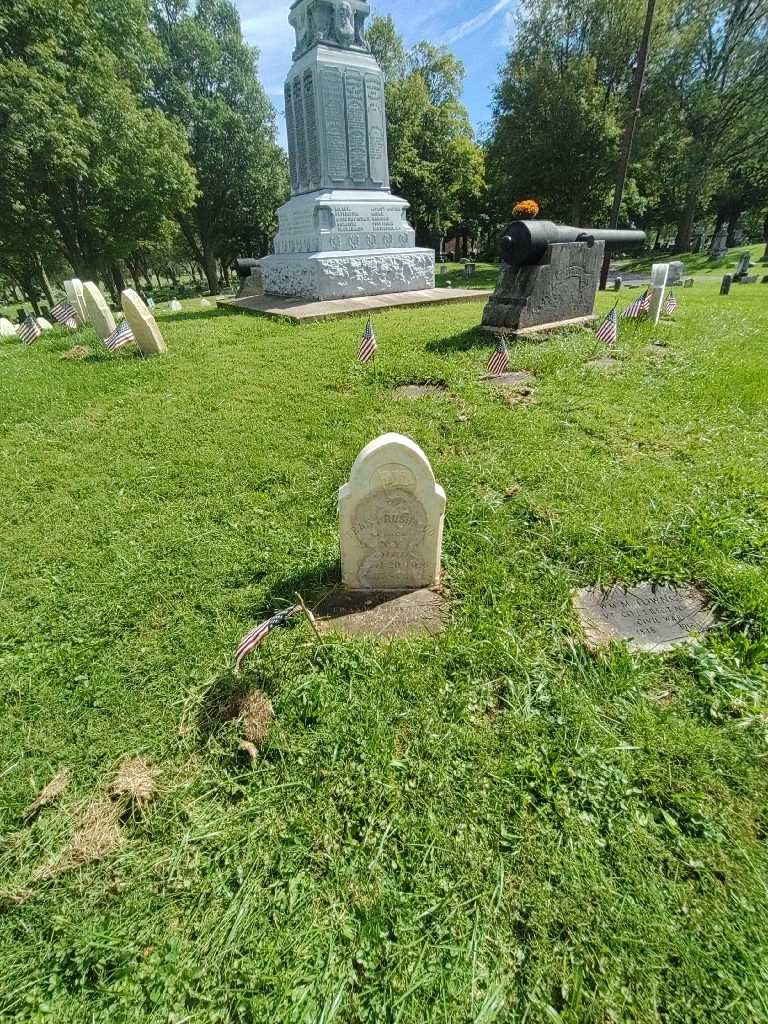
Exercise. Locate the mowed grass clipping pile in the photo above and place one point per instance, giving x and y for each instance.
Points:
(493, 824)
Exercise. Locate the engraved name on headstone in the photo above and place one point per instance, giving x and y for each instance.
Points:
(356, 128)
(647, 617)
(332, 87)
(377, 139)
(290, 125)
(313, 142)
(301, 140)
(391, 518)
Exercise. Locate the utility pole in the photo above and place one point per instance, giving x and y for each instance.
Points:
(629, 130)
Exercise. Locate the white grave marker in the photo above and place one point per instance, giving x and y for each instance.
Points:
(43, 324)
(6, 328)
(74, 290)
(659, 274)
(391, 518)
(144, 326)
(98, 312)
(174, 305)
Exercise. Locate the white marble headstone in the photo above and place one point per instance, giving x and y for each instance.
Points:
(391, 518)
(174, 305)
(144, 326)
(6, 328)
(74, 291)
(659, 274)
(43, 324)
(98, 312)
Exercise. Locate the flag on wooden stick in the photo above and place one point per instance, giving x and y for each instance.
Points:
(252, 640)
(638, 308)
(29, 330)
(63, 313)
(121, 335)
(499, 360)
(608, 331)
(368, 346)
(670, 305)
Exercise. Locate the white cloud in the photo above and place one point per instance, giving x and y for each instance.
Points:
(473, 24)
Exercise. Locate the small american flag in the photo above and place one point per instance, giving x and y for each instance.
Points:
(63, 313)
(121, 335)
(368, 345)
(252, 640)
(499, 360)
(29, 330)
(670, 305)
(608, 331)
(638, 308)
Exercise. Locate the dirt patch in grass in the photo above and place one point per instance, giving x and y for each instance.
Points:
(422, 389)
(96, 837)
(78, 352)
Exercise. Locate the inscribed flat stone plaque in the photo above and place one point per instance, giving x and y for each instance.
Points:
(149, 340)
(332, 88)
(391, 518)
(377, 137)
(301, 140)
(647, 617)
(290, 125)
(356, 128)
(313, 142)
(98, 312)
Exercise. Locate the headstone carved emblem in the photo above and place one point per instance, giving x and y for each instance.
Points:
(391, 515)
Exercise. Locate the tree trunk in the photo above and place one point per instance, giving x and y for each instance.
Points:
(171, 272)
(732, 224)
(44, 280)
(765, 238)
(209, 267)
(134, 272)
(685, 224)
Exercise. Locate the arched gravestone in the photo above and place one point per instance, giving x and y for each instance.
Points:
(391, 518)
(98, 312)
(74, 290)
(144, 326)
(7, 330)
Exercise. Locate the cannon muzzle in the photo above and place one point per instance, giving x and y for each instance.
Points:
(526, 241)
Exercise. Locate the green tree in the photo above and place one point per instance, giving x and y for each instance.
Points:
(87, 169)
(435, 162)
(207, 80)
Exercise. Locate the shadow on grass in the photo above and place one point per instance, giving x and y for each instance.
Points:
(191, 314)
(464, 342)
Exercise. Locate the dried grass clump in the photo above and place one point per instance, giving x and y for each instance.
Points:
(97, 837)
(135, 782)
(78, 352)
(51, 792)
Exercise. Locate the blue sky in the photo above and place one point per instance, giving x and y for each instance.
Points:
(477, 31)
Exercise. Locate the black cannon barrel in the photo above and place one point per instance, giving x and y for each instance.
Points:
(526, 241)
(244, 265)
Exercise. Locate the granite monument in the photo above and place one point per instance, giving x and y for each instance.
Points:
(342, 233)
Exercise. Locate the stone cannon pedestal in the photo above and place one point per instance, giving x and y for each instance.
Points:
(560, 288)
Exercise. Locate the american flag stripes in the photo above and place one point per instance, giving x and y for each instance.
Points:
(63, 313)
(608, 331)
(121, 335)
(639, 307)
(368, 345)
(252, 640)
(499, 360)
(670, 305)
(29, 330)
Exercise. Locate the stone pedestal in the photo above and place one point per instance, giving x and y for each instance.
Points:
(561, 287)
(342, 233)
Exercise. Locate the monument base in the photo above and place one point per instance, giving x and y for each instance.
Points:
(344, 275)
(561, 288)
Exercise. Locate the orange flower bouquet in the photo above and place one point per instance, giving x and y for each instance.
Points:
(526, 209)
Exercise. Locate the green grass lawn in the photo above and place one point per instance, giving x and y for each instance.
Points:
(493, 825)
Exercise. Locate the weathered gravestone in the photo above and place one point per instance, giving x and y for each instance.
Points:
(74, 293)
(742, 268)
(719, 243)
(43, 324)
(6, 328)
(175, 306)
(342, 233)
(659, 274)
(725, 287)
(97, 311)
(391, 518)
(647, 617)
(146, 333)
(676, 272)
(617, 283)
